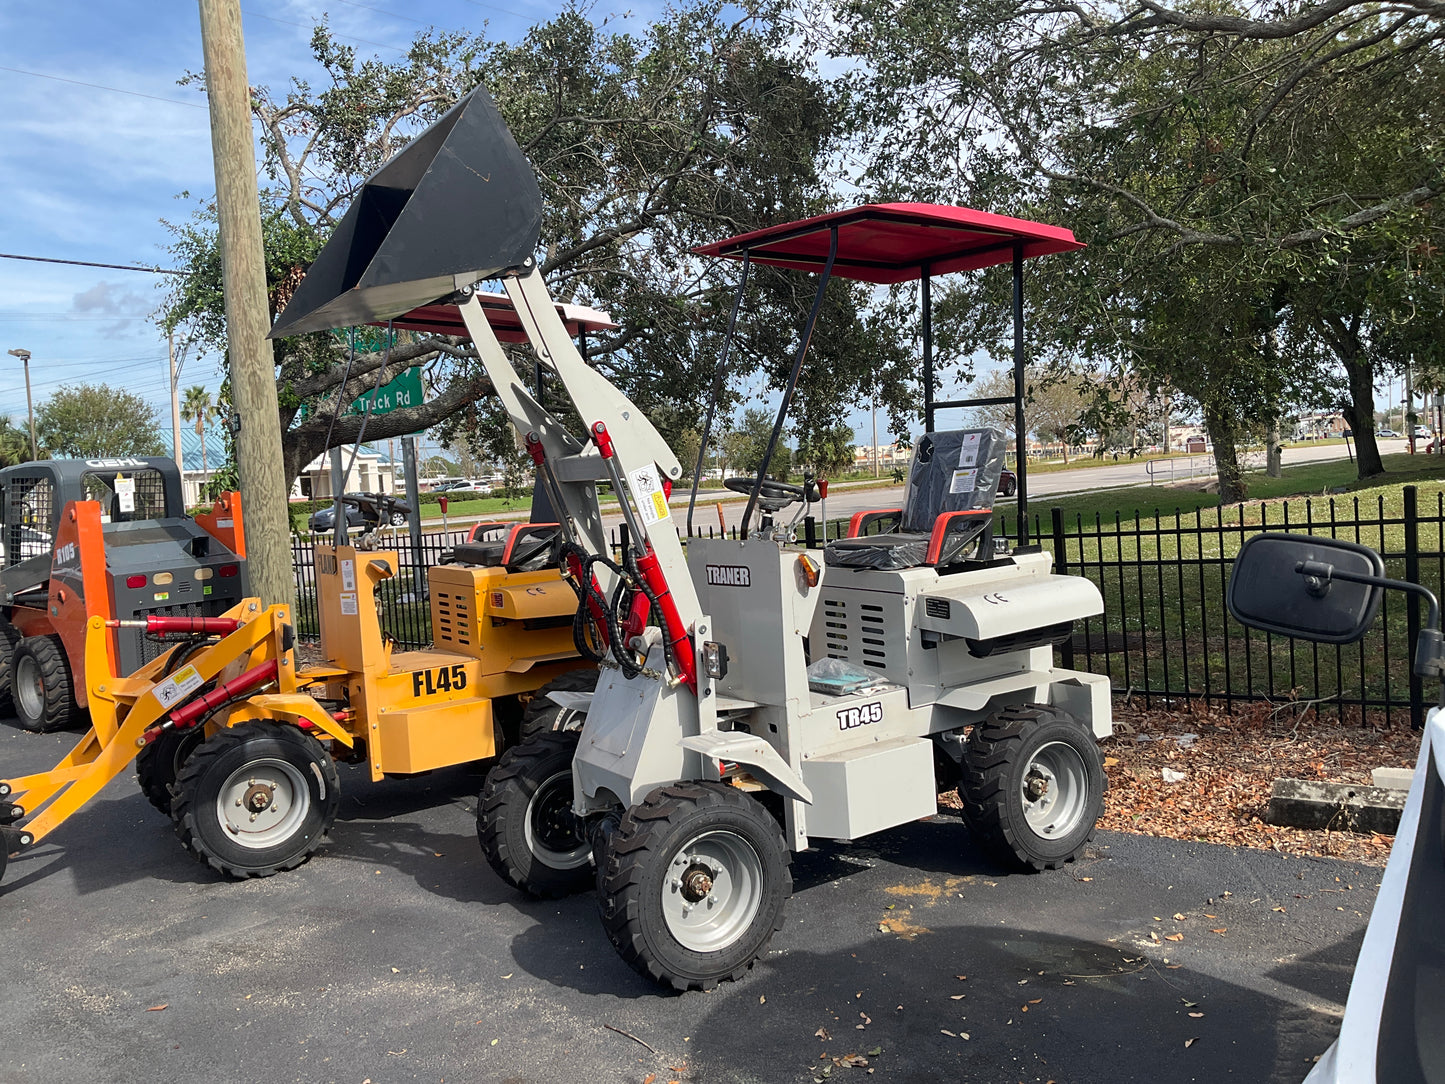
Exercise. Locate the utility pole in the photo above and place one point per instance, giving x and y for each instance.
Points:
(257, 425)
(176, 410)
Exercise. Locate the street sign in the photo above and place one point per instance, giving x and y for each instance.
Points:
(404, 391)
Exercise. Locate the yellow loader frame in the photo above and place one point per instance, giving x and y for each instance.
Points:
(496, 634)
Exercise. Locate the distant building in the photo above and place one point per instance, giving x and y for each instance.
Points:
(373, 471)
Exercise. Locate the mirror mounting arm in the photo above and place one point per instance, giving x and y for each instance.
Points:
(1430, 644)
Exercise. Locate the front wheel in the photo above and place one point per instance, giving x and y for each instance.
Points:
(256, 799)
(159, 764)
(525, 823)
(694, 886)
(1033, 786)
(398, 519)
(42, 686)
(542, 715)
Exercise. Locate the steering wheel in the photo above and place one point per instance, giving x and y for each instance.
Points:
(772, 489)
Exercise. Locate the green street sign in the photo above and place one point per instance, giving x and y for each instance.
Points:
(404, 391)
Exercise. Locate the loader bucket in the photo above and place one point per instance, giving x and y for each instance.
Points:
(457, 204)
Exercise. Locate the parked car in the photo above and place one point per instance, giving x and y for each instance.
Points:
(1423, 432)
(364, 511)
(1008, 483)
(1386, 433)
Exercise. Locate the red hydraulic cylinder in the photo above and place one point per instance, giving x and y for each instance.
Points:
(192, 710)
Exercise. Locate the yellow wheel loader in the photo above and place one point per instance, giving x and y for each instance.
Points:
(239, 743)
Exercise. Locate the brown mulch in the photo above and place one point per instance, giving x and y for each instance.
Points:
(1229, 766)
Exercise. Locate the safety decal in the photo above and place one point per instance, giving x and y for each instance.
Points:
(729, 576)
(178, 686)
(862, 715)
(964, 481)
(647, 492)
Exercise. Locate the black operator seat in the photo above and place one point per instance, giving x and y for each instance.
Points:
(947, 507)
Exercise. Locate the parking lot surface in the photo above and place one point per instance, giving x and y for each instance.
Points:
(397, 955)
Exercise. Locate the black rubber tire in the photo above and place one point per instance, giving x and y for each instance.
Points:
(275, 751)
(527, 800)
(1010, 488)
(542, 716)
(9, 641)
(159, 764)
(398, 519)
(42, 660)
(996, 766)
(639, 857)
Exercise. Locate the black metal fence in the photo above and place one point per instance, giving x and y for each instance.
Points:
(1164, 637)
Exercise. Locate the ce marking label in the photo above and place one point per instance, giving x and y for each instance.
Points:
(995, 599)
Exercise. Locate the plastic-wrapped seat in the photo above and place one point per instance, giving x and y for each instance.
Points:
(947, 507)
(527, 547)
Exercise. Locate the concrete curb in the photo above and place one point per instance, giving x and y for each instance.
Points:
(1341, 807)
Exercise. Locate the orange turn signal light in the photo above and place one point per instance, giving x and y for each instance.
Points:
(809, 570)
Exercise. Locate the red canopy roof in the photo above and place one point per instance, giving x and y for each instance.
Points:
(894, 242)
(442, 319)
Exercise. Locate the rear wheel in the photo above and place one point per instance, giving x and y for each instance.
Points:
(256, 799)
(525, 823)
(695, 882)
(9, 641)
(159, 764)
(40, 677)
(542, 715)
(1033, 786)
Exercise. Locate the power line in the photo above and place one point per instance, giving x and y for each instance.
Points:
(313, 26)
(97, 86)
(92, 263)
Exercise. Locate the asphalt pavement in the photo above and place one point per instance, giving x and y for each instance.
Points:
(397, 955)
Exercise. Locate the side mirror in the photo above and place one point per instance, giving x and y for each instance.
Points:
(1288, 583)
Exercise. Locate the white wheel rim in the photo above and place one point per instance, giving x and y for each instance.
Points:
(548, 824)
(30, 686)
(1054, 790)
(712, 890)
(263, 803)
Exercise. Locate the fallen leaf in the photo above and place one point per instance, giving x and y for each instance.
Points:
(950, 1034)
(1197, 1015)
(1023, 982)
(762, 1000)
(1189, 1004)
(853, 1061)
(509, 974)
(956, 997)
(1023, 1008)
(397, 1053)
(396, 971)
(1035, 1001)
(1190, 1042)
(822, 1033)
(1174, 937)
(1109, 762)
(159, 1008)
(875, 1051)
(960, 978)
(1154, 936)
(866, 1018)
(649, 1078)
(1178, 917)
(1221, 931)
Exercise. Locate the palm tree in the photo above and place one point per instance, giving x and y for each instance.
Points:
(197, 407)
(14, 443)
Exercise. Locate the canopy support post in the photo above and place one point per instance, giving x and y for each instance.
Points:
(792, 384)
(926, 303)
(717, 386)
(1020, 386)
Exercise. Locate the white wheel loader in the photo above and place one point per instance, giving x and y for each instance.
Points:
(755, 695)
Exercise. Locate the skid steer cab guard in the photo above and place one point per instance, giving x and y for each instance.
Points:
(110, 538)
(1328, 591)
(753, 695)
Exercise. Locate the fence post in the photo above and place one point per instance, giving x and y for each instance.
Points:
(1412, 610)
(1061, 566)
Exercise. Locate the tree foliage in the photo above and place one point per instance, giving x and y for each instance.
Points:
(90, 421)
(645, 145)
(1258, 186)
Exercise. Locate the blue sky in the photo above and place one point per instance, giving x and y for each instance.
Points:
(89, 172)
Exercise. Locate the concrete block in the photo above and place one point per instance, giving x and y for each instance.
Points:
(1340, 807)
(1393, 778)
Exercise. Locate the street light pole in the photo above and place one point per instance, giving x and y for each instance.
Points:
(24, 356)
